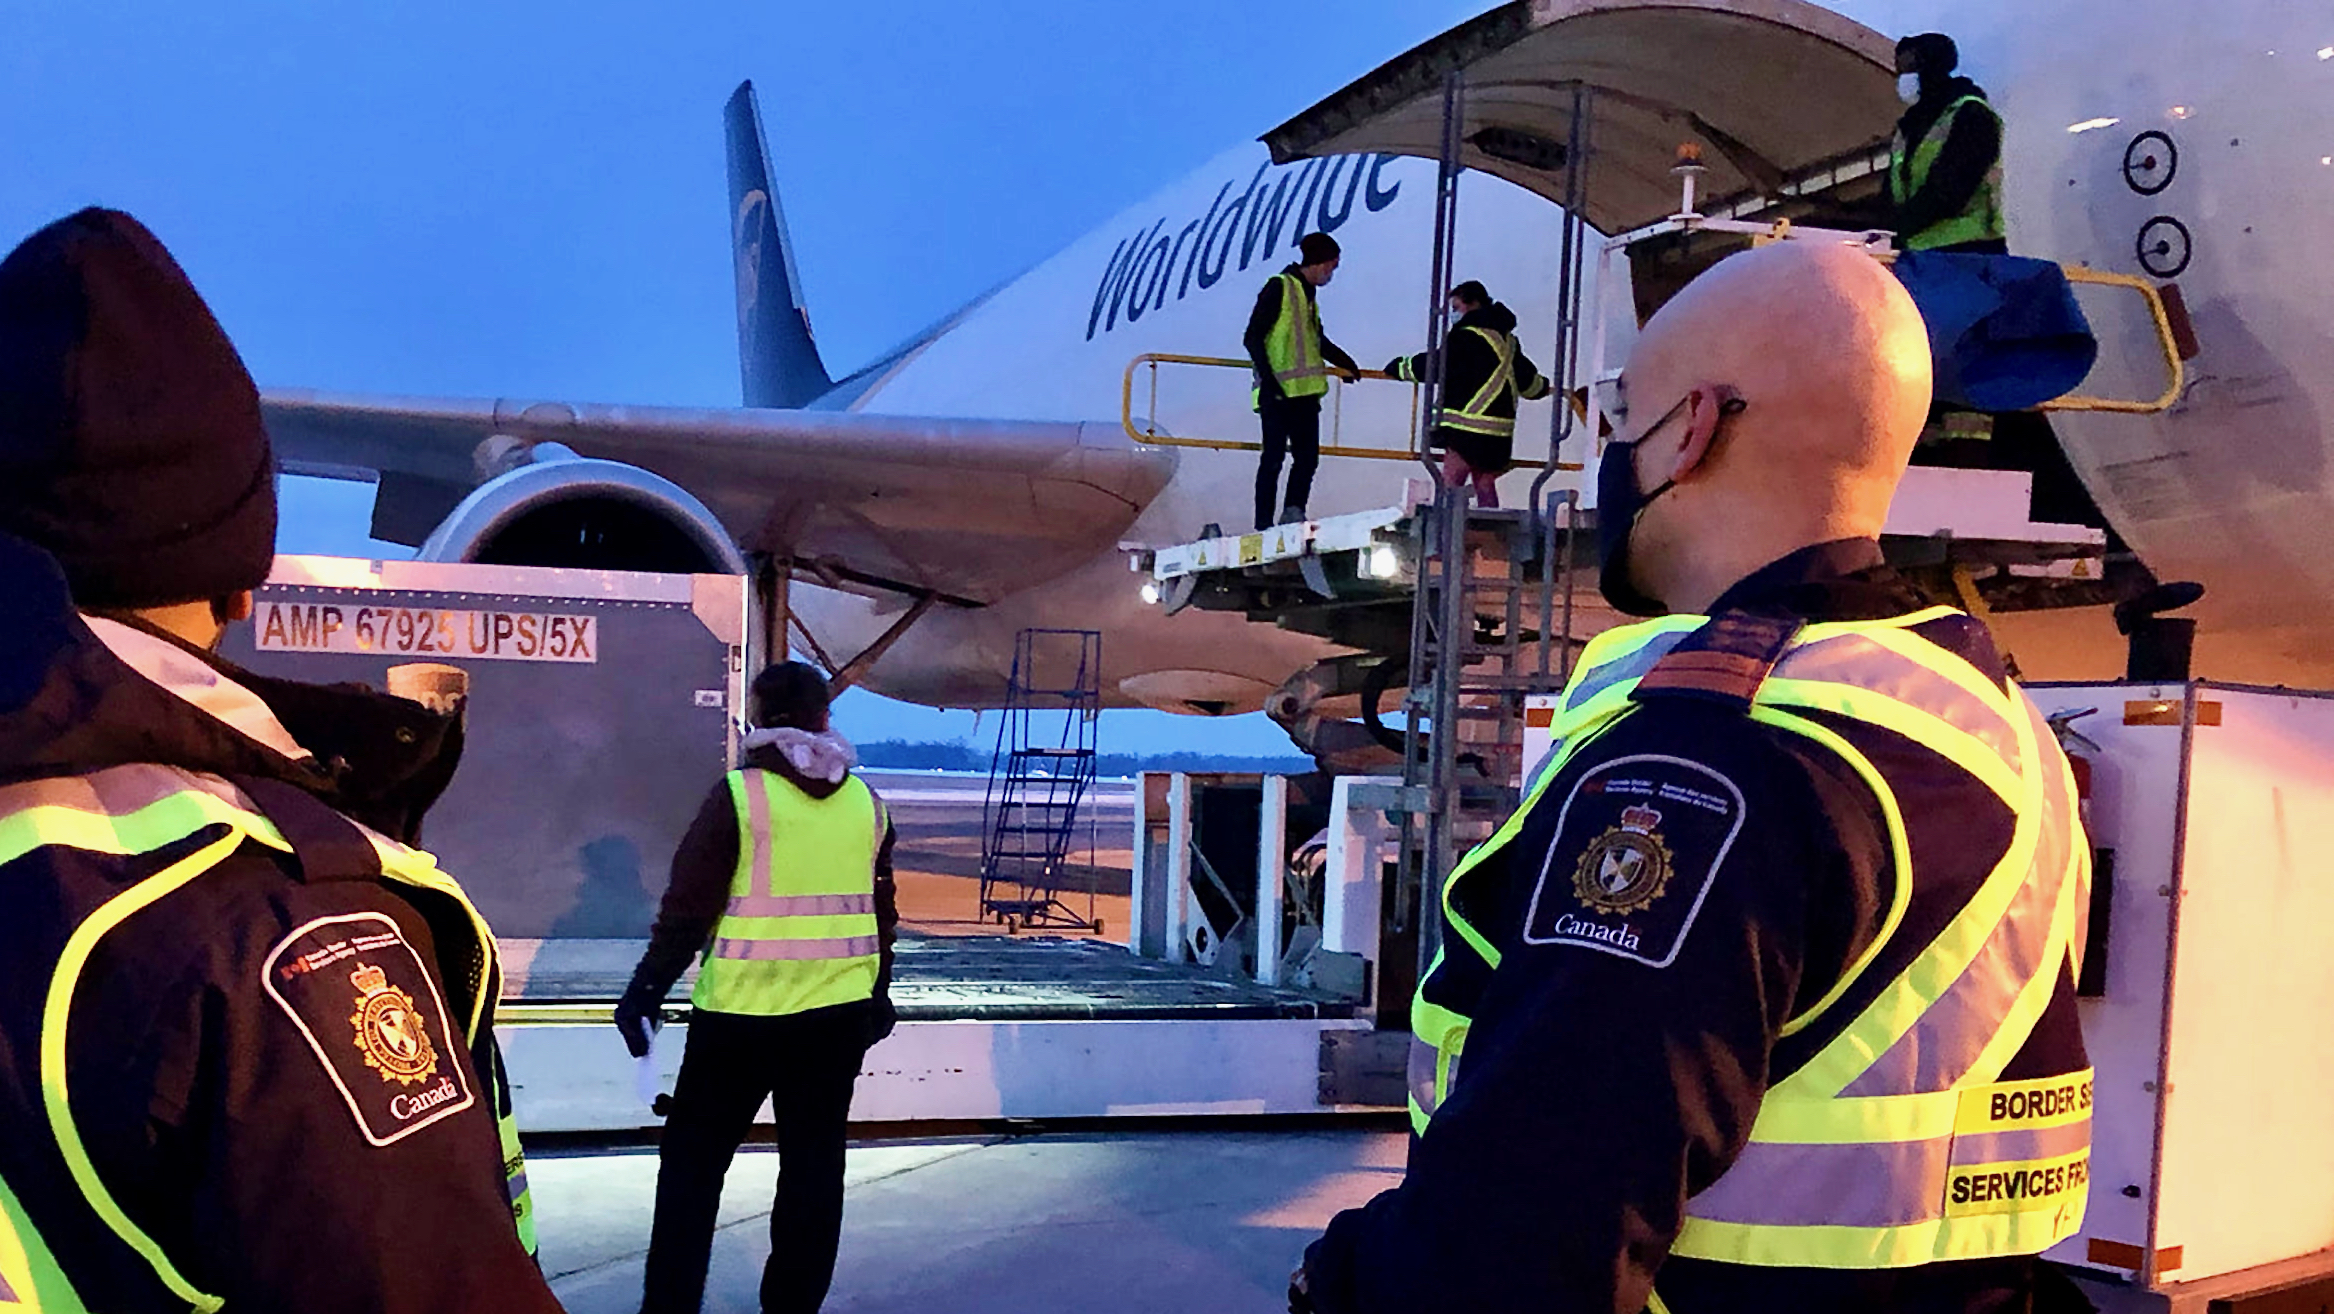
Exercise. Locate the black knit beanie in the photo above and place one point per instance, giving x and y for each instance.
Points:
(131, 447)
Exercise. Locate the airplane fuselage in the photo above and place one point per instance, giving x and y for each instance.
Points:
(2229, 487)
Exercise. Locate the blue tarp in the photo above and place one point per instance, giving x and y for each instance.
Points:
(2005, 331)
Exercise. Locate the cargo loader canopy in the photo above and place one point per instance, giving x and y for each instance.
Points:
(1771, 90)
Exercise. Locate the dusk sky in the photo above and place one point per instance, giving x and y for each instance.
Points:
(528, 199)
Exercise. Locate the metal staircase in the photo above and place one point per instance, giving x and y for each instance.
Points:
(1042, 771)
(1491, 625)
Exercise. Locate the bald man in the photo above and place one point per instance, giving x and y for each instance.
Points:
(1764, 999)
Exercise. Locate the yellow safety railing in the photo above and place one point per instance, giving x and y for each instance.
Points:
(1149, 432)
(2175, 370)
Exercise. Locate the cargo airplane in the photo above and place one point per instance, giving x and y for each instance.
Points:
(979, 480)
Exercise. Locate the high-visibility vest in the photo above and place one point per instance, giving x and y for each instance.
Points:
(120, 813)
(1908, 169)
(1491, 410)
(1897, 1143)
(800, 931)
(1293, 347)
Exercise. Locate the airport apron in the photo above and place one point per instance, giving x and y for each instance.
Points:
(111, 819)
(799, 932)
(1293, 347)
(1897, 1143)
(1981, 219)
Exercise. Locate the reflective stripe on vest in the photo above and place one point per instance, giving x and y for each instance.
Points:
(1475, 415)
(142, 808)
(31, 1281)
(1293, 347)
(1897, 1143)
(1981, 219)
(799, 932)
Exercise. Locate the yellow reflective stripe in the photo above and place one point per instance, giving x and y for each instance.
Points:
(1418, 1118)
(414, 867)
(1920, 1117)
(1502, 377)
(154, 826)
(1900, 850)
(1653, 1303)
(1967, 678)
(2019, 1021)
(1983, 1236)
(56, 1013)
(831, 927)
(1785, 1120)
(31, 1280)
(1960, 747)
(1902, 1001)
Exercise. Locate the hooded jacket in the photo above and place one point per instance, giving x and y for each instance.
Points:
(706, 862)
(1472, 364)
(223, 1105)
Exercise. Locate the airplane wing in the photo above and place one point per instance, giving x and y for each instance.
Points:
(969, 510)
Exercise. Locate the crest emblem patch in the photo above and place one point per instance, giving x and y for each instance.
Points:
(1628, 867)
(390, 1031)
(368, 1008)
(1638, 842)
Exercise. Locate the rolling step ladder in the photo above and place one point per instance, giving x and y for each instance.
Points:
(1041, 774)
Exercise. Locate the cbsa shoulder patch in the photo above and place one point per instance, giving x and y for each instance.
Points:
(1638, 843)
(372, 1013)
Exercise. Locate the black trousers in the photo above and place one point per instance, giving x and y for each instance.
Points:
(805, 1064)
(1293, 426)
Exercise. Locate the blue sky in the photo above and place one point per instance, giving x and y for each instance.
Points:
(481, 199)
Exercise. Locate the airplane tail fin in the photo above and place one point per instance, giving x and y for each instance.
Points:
(777, 355)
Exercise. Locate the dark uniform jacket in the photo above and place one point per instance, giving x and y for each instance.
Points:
(1472, 363)
(1600, 1092)
(233, 1117)
(1260, 322)
(704, 866)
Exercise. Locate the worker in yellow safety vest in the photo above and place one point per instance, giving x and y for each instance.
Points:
(247, 1055)
(1475, 422)
(1292, 358)
(783, 889)
(1945, 165)
(1764, 999)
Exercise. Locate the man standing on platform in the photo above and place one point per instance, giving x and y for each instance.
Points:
(1288, 348)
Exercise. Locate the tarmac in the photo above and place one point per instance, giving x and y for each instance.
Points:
(1132, 1222)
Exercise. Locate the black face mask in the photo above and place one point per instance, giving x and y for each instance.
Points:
(1619, 502)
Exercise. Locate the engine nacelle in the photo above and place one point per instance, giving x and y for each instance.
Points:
(560, 509)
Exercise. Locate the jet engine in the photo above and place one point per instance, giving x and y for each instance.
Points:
(555, 508)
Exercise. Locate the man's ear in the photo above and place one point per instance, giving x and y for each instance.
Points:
(1707, 406)
(232, 607)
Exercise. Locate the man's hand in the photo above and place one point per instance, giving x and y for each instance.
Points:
(638, 1019)
(1300, 1291)
(1349, 375)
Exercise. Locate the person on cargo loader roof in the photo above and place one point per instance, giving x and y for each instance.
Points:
(1721, 1014)
(247, 1055)
(1475, 425)
(1945, 166)
(784, 883)
(1292, 356)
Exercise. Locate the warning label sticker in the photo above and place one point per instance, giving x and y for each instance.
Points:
(520, 636)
